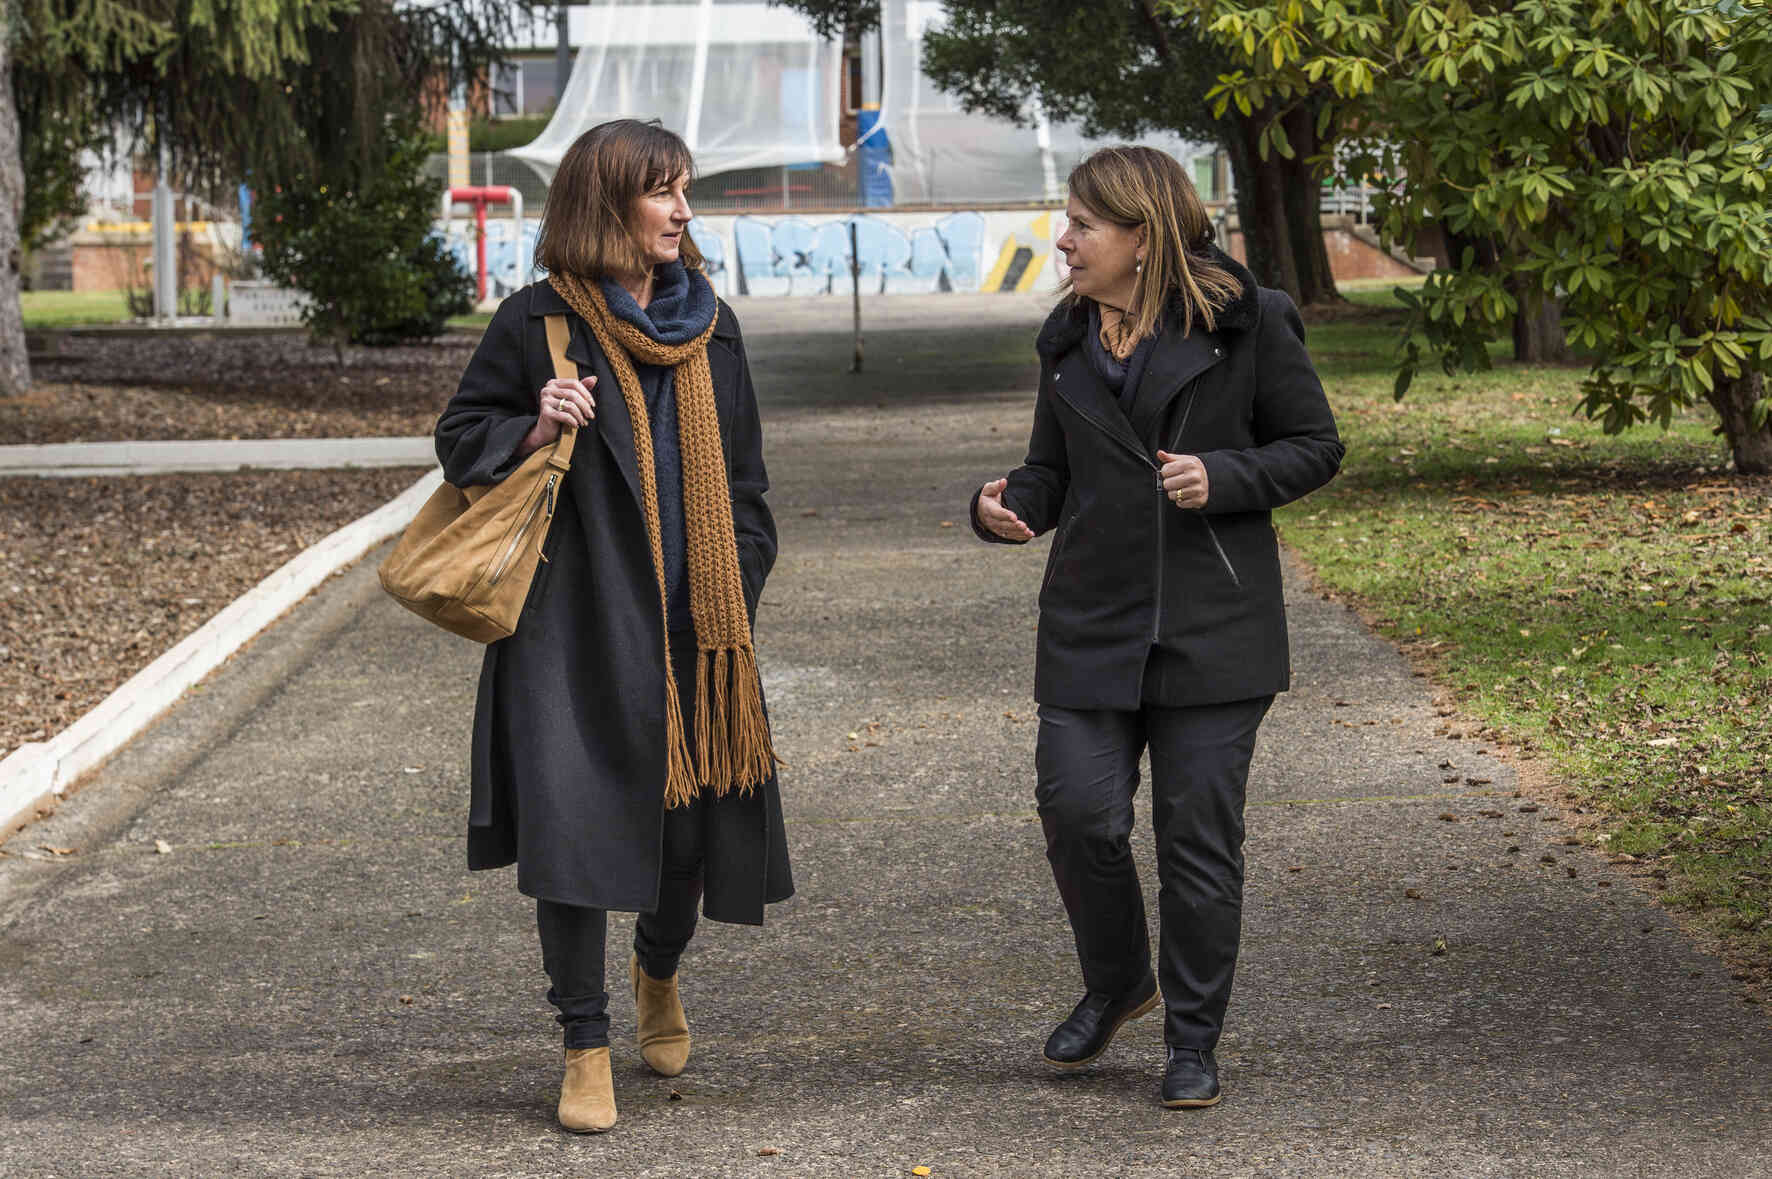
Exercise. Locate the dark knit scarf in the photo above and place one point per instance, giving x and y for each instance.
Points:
(678, 311)
(731, 732)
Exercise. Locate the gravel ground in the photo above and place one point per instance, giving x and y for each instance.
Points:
(142, 387)
(101, 576)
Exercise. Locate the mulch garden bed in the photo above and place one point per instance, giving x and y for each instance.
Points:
(99, 577)
(139, 387)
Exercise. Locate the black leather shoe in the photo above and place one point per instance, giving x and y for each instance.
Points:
(1091, 1027)
(1191, 1079)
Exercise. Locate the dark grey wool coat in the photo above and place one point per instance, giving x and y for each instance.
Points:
(1144, 602)
(569, 732)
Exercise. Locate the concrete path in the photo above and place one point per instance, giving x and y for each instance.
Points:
(310, 983)
(159, 458)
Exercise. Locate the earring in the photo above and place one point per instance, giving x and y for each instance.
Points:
(1139, 269)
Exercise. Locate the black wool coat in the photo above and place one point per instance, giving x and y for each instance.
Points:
(1143, 602)
(569, 731)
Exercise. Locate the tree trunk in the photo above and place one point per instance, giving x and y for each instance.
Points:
(1538, 326)
(1303, 186)
(15, 364)
(1734, 402)
(1262, 211)
(1278, 209)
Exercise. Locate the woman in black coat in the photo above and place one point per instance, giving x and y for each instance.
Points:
(1177, 407)
(620, 754)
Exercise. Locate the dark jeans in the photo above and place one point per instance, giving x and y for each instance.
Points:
(1087, 766)
(572, 936)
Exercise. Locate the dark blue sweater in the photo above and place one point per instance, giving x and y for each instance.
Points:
(680, 310)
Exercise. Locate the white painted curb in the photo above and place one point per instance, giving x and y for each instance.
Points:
(42, 768)
(209, 454)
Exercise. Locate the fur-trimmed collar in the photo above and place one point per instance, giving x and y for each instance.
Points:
(1069, 321)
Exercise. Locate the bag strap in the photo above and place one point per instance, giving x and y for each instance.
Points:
(559, 335)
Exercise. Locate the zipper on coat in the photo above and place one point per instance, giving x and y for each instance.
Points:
(1186, 410)
(1163, 510)
(1222, 555)
(1157, 599)
(1058, 544)
(546, 499)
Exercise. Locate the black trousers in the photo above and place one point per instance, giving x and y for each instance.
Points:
(1087, 766)
(573, 937)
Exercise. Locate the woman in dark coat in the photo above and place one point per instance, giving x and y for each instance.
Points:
(620, 756)
(1177, 407)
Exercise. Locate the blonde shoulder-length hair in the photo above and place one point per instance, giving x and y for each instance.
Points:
(585, 225)
(1141, 186)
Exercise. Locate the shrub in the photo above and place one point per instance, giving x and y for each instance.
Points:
(360, 243)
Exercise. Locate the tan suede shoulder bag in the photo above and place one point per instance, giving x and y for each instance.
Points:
(467, 559)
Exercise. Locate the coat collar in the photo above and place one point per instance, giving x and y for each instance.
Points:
(1070, 319)
(545, 300)
(1176, 360)
(613, 422)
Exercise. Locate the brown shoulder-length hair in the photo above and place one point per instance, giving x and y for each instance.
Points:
(1134, 186)
(585, 227)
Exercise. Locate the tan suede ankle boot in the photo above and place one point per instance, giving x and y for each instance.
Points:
(663, 1028)
(587, 1095)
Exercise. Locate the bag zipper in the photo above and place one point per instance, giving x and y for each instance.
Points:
(545, 499)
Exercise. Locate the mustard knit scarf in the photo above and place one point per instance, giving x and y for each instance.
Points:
(731, 732)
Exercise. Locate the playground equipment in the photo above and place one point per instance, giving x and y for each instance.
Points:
(479, 196)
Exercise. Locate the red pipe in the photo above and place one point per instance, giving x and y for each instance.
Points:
(480, 247)
(480, 195)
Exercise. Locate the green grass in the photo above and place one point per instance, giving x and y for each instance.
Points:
(1606, 601)
(472, 321)
(60, 309)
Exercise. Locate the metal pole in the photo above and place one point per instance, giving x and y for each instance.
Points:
(165, 250)
(855, 286)
(562, 50)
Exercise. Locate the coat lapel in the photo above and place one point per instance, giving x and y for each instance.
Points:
(1175, 361)
(613, 423)
(1075, 383)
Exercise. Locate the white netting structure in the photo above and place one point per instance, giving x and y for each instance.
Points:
(746, 85)
(942, 154)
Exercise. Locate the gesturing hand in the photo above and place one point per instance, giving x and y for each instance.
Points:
(998, 518)
(1184, 479)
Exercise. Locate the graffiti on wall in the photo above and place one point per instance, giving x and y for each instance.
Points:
(793, 256)
(899, 254)
(507, 266)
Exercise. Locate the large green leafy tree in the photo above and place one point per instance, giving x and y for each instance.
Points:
(272, 90)
(1607, 159)
(1124, 69)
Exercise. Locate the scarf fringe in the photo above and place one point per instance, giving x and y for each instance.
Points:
(680, 787)
(731, 745)
(731, 730)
